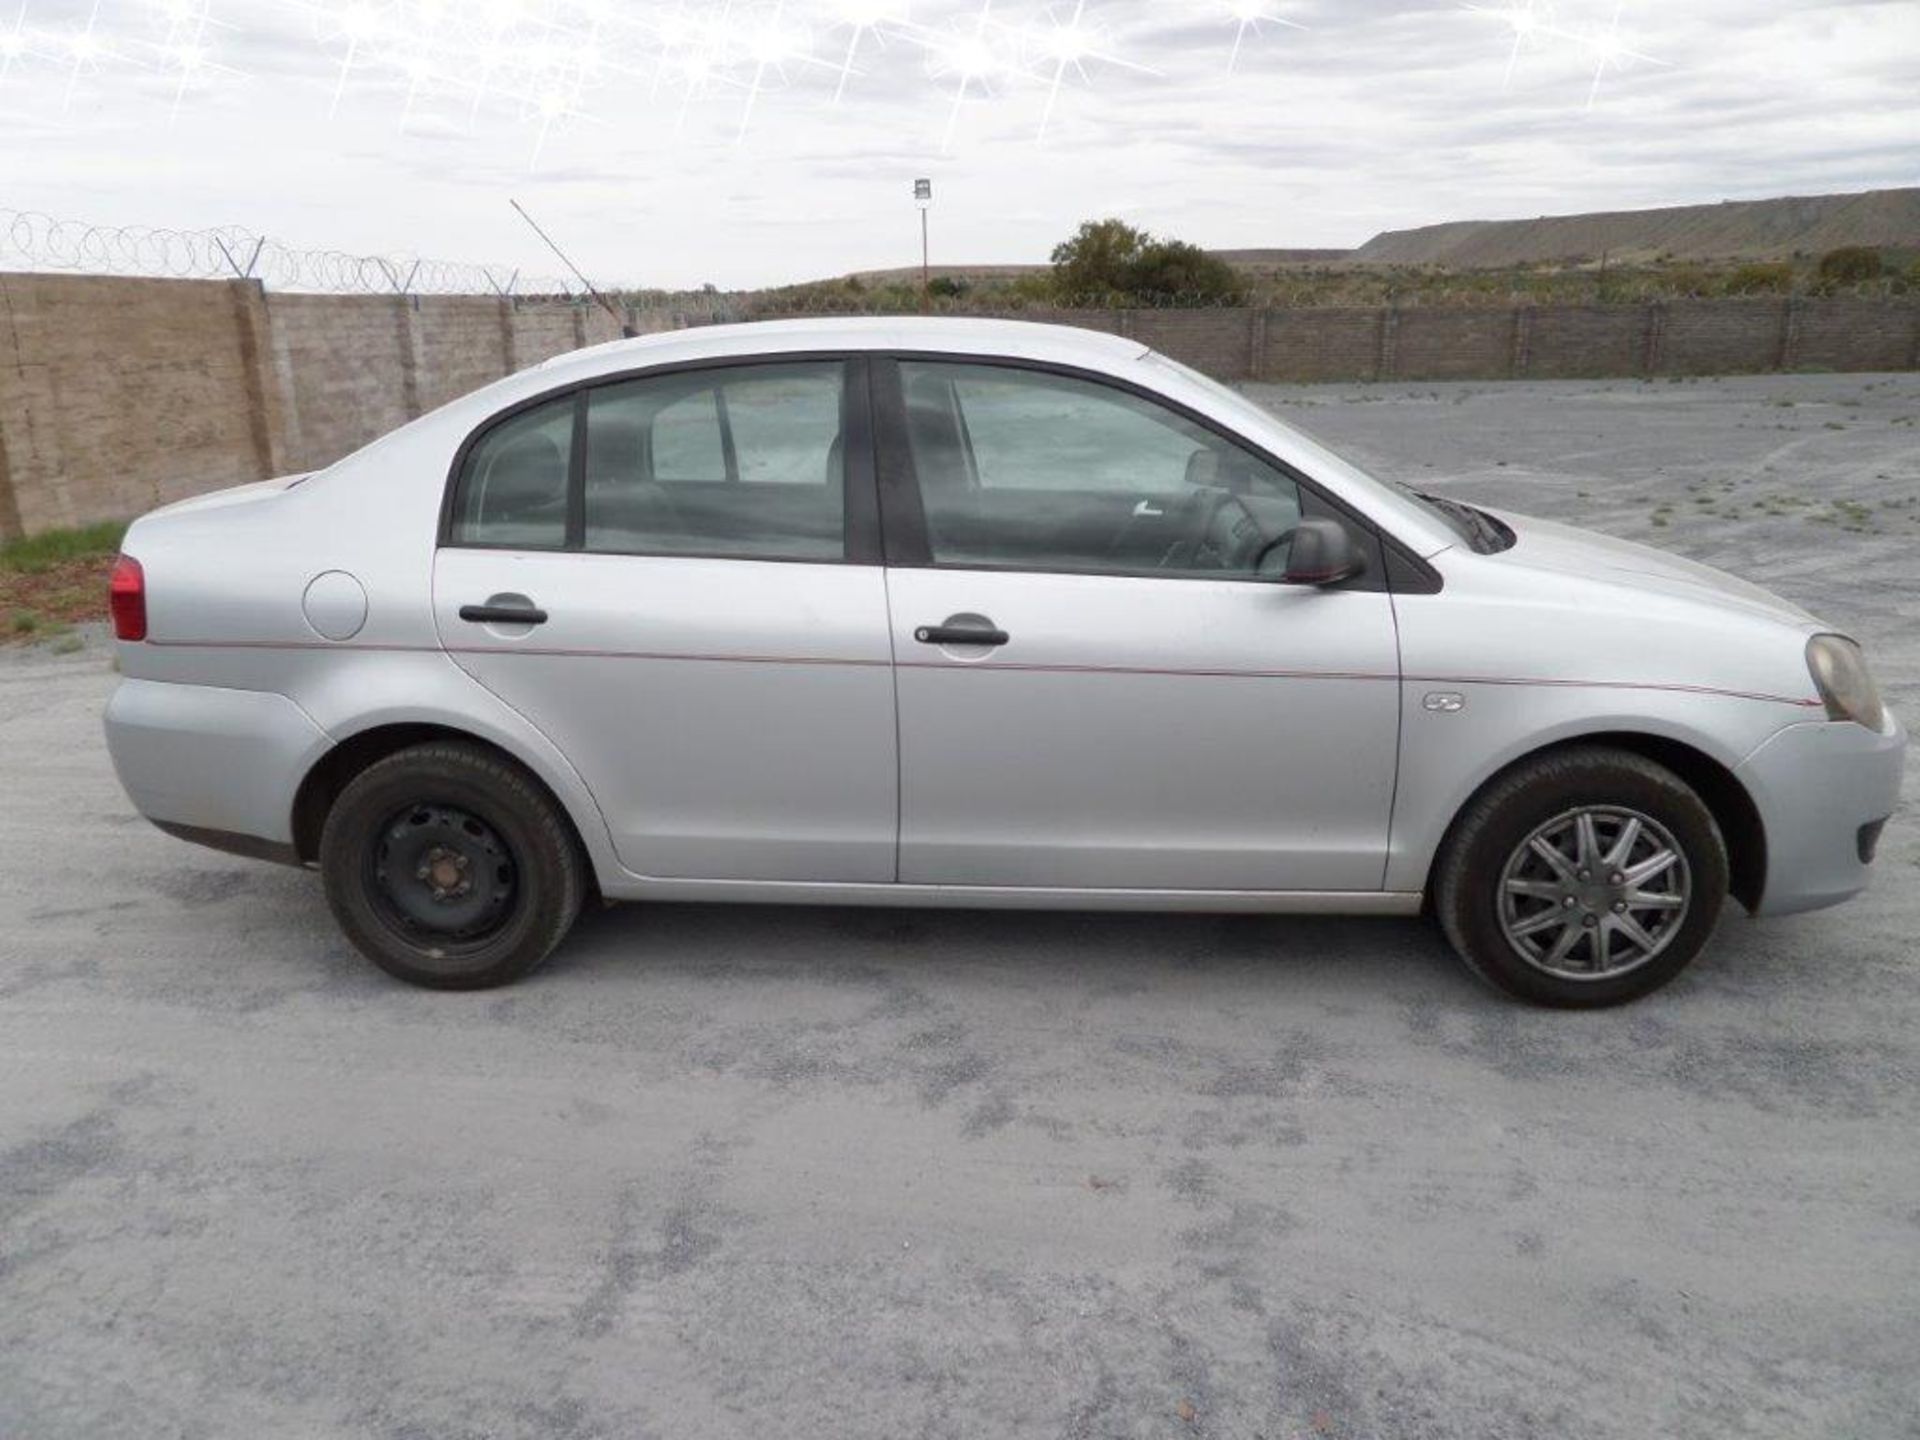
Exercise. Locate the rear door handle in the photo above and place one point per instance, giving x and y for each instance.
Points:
(959, 635)
(503, 615)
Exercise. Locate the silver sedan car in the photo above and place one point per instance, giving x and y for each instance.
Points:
(958, 612)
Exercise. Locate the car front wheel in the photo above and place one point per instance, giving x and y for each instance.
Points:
(1583, 878)
(448, 866)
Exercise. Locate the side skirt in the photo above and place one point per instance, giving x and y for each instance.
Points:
(1008, 897)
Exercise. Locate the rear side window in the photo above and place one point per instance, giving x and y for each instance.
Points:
(745, 462)
(512, 490)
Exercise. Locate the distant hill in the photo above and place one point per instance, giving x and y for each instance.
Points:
(1733, 229)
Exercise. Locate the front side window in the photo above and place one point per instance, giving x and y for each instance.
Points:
(1027, 469)
(745, 461)
(512, 490)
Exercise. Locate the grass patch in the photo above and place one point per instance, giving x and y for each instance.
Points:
(52, 581)
(38, 554)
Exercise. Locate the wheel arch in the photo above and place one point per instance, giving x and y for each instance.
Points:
(1719, 789)
(335, 770)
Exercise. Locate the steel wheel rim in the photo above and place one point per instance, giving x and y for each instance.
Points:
(442, 876)
(1594, 893)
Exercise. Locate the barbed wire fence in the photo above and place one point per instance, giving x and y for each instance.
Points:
(37, 242)
(33, 241)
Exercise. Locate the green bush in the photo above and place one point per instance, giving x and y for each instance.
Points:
(1111, 262)
(1850, 265)
(1173, 269)
(1095, 263)
(1681, 280)
(1759, 278)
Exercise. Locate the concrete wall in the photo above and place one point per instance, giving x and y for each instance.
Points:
(117, 395)
(1310, 345)
(340, 365)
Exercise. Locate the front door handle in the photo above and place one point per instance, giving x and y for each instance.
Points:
(959, 635)
(503, 614)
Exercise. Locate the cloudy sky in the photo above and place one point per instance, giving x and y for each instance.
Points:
(742, 142)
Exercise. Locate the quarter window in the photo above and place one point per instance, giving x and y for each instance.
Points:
(746, 461)
(1031, 470)
(513, 487)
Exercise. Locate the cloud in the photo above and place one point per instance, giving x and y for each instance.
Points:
(665, 153)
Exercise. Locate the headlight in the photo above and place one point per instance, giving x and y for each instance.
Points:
(1840, 673)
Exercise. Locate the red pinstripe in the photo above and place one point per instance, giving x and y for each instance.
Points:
(1000, 665)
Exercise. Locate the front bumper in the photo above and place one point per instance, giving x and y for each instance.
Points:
(1816, 785)
(204, 761)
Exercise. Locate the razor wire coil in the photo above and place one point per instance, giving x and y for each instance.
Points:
(31, 240)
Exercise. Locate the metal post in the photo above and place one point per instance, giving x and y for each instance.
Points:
(923, 196)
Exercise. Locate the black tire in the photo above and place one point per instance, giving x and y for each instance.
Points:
(485, 825)
(1471, 877)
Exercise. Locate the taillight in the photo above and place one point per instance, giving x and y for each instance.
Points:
(127, 599)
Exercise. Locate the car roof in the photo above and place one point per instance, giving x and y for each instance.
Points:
(959, 335)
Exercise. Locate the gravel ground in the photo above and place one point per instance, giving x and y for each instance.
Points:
(719, 1173)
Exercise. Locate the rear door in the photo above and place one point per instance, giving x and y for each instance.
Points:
(675, 577)
(1101, 684)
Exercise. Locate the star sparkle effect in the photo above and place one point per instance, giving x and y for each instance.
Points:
(546, 66)
(1074, 44)
(165, 41)
(995, 50)
(545, 59)
(865, 20)
(1248, 16)
(550, 64)
(1535, 24)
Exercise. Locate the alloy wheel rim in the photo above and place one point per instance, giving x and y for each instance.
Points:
(1594, 893)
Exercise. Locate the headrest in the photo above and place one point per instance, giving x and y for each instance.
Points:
(614, 446)
(529, 473)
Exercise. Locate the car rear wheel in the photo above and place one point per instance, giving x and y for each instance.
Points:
(448, 866)
(1584, 878)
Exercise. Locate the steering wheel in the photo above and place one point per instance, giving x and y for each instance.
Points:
(1201, 507)
(1211, 529)
(1233, 542)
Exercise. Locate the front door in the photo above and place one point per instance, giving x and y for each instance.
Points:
(711, 651)
(1100, 683)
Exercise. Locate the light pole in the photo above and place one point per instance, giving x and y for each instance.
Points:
(923, 196)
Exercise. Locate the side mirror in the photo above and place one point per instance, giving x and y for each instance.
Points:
(1323, 553)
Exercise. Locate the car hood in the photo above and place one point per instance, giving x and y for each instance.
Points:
(1566, 550)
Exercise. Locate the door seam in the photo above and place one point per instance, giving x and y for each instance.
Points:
(899, 765)
(1399, 736)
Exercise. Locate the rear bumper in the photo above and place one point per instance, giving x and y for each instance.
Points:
(1816, 786)
(201, 761)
